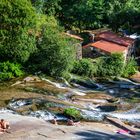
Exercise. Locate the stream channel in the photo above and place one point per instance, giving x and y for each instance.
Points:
(94, 100)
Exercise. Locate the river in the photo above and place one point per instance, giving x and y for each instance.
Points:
(94, 100)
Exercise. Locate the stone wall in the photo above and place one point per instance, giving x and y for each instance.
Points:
(78, 48)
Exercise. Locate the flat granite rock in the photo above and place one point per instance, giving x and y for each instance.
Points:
(31, 128)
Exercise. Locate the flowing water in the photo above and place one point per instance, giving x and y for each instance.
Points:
(123, 101)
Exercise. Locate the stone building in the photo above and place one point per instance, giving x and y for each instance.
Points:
(108, 42)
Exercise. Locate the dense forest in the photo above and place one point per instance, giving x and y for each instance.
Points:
(92, 14)
(32, 36)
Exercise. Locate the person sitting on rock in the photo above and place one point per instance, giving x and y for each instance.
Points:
(54, 120)
(70, 122)
(4, 125)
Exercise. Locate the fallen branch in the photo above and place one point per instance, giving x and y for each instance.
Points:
(120, 124)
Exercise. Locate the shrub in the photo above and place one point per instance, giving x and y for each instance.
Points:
(10, 70)
(84, 67)
(72, 112)
(111, 65)
(130, 68)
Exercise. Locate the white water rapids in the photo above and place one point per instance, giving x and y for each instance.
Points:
(90, 112)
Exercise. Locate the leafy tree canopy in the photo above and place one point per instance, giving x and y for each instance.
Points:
(55, 51)
(18, 18)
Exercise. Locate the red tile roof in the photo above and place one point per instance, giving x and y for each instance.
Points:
(112, 37)
(106, 46)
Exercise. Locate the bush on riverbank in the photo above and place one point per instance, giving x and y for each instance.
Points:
(111, 65)
(73, 113)
(103, 67)
(130, 68)
(108, 66)
(10, 70)
(84, 67)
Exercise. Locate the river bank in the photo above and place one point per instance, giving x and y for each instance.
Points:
(31, 128)
(33, 101)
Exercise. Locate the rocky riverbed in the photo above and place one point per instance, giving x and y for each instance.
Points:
(33, 101)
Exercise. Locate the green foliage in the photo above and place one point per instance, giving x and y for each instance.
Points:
(119, 13)
(81, 14)
(92, 14)
(17, 18)
(52, 6)
(49, 7)
(39, 5)
(10, 70)
(55, 52)
(84, 67)
(25, 32)
(72, 112)
(130, 68)
(111, 65)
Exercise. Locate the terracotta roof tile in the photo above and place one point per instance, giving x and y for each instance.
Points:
(112, 37)
(107, 46)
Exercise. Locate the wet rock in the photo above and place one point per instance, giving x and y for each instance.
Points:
(3, 103)
(128, 86)
(130, 117)
(123, 105)
(85, 83)
(45, 115)
(43, 88)
(113, 100)
(93, 97)
(31, 79)
(16, 83)
(108, 107)
(96, 101)
(92, 115)
(27, 79)
(17, 103)
(25, 106)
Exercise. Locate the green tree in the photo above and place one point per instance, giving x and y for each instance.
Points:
(39, 5)
(123, 14)
(49, 7)
(55, 51)
(17, 37)
(81, 14)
